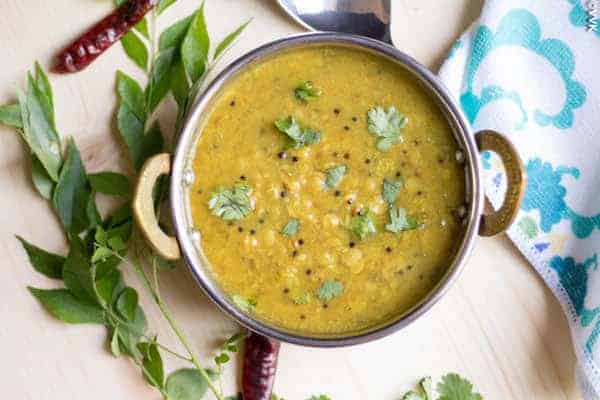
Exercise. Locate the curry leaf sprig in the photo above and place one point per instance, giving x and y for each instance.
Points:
(94, 290)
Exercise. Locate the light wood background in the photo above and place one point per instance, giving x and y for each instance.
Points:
(499, 325)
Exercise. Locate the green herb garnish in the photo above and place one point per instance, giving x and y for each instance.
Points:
(302, 299)
(306, 92)
(231, 204)
(400, 221)
(320, 397)
(244, 304)
(330, 289)
(291, 228)
(451, 387)
(299, 136)
(386, 126)
(363, 224)
(390, 190)
(335, 176)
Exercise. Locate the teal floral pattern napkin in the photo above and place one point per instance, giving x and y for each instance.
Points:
(531, 70)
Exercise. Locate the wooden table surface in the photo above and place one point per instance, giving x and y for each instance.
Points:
(499, 325)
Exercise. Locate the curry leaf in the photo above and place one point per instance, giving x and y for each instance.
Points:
(231, 204)
(135, 49)
(142, 28)
(132, 95)
(111, 183)
(153, 364)
(186, 384)
(195, 46)
(163, 5)
(78, 274)
(335, 176)
(42, 261)
(109, 286)
(127, 303)
(160, 80)
(131, 120)
(225, 43)
(42, 83)
(64, 306)
(10, 115)
(180, 86)
(71, 194)
(38, 128)
(174, 34)
(41, 181)
(330, 289)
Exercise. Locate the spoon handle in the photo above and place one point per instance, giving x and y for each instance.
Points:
(260, 364)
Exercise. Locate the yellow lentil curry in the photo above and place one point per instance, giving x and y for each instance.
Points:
(327, 191)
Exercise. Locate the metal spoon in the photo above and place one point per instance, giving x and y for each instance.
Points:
(369, 18)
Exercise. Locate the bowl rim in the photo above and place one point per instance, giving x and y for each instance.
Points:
(187, 137)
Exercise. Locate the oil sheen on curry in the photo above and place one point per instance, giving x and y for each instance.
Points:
(327, 191)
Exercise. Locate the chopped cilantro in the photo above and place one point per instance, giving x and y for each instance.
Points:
(363, 224)
(335, 176)
(386, 126)
(330, 289)
(244, 304)
(231, 204)
(299, 136)
(291, 228)
(400, 221)
(390, 190)
(306, 91)
(452, 387)
(319, 397)
(302, 299)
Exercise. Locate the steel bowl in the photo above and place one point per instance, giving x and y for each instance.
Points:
(180, 169)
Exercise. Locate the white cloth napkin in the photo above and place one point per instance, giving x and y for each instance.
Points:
(531, 70)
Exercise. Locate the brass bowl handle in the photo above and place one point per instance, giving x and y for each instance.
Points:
(499, 221)
(143, 207)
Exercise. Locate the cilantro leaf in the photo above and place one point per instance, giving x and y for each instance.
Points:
(390, 190)
(291, 228)
(400, 221)
(330, 289)
(320, 397)
(244, 304)
(386, 126)
(306, 91)
(231, 204)
(335, 176)
(454, 387)
(300, 136)
(302, 299)
(363, 224)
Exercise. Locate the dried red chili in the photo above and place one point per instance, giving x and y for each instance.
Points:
(101, 36)
(260, 363)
